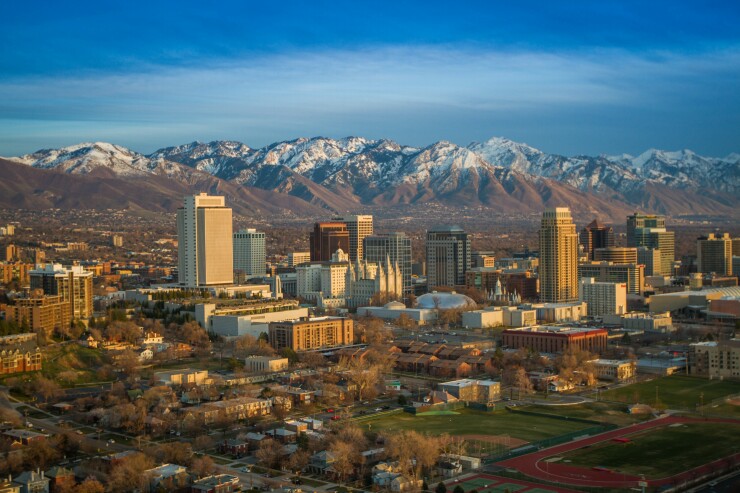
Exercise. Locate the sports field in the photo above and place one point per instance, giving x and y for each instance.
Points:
(486, 483)
(470, 422)
(676, 392)
(668, 451)
(608, 412)
(661, 452)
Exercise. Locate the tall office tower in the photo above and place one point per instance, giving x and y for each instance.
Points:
(558, 268)
(249, 252)
(596, 235)
(618, 255)
(73, 285)
(637, 221)
(736, 247)
(393, 246)
(649, 231)
(205, 243)
(658, 239)
(714, 254)
(326, 238)
(359, 227)
(448, 256)
(650, 258)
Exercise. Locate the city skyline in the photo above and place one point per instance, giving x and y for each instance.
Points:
(570, 79)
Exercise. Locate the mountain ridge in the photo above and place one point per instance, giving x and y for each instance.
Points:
(342, 174)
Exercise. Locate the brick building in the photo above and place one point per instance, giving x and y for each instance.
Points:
(552, 339)
(17, 361)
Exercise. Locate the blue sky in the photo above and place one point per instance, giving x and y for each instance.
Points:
(579, 77)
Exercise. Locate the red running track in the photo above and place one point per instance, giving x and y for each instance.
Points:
(533, 465)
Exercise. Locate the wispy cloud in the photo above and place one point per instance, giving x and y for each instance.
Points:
(410, 94)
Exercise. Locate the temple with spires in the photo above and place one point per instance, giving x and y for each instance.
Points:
(499, 296)
(362, 283)
(341, 282)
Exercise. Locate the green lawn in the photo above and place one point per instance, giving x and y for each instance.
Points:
(664, 451)
(676, 391)
(470, 422)
(606, 412)
(72, 358)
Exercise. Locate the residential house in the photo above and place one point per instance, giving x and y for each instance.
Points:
(235, 447)
(282, 435)
(60, 479)
(402, 483)
(8, 486)
(320, 462)
(18, 361)
(24, 437)
(32, 482)
(255, 439)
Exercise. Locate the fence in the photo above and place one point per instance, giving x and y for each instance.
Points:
(596, 428)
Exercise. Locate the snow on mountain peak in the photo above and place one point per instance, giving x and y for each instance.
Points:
(361, 163)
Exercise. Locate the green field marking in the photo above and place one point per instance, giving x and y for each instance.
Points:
(502, 488)
(438, 413)
(675, 391)
(662, 452)
(540, 490)
(470, 422)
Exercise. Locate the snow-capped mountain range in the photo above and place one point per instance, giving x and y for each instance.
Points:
(499, 173)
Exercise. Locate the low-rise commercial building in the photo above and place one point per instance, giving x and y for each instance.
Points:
(265, 364)
(559, 312)
(183, 377)
(555, 339)
(695, 300)
(248, 318)
(395, 309)
(483, 319)
(519, 316)
(615, 370)
(469, 390)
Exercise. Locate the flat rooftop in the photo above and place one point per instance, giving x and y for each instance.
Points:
(554, 329)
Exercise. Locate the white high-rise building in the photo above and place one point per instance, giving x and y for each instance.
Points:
(603, 298)
(205, 242)
(249, 252)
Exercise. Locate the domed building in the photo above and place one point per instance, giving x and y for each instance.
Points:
(445, 301)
